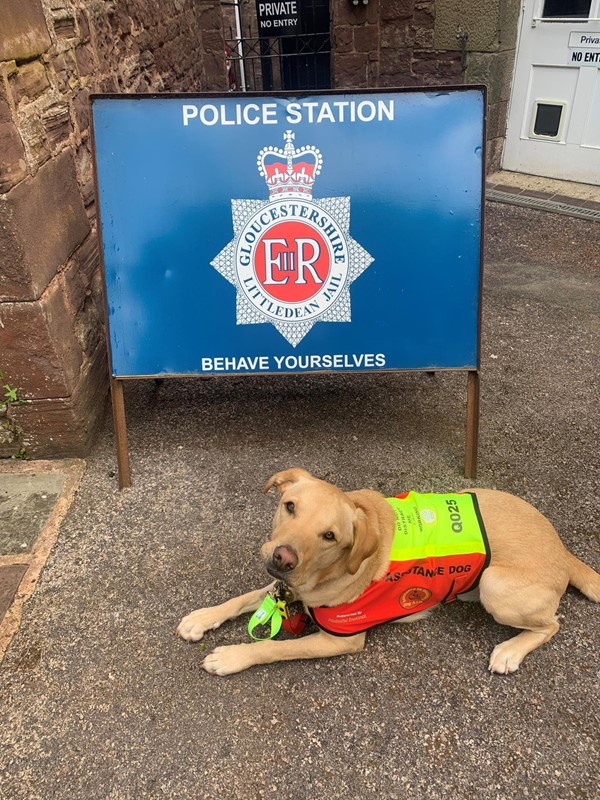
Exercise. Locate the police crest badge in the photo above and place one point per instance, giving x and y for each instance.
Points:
(292, 258)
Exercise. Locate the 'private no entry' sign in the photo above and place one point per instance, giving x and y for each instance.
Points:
(279, 18)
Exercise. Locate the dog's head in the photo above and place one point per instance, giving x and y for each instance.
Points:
(318, 532)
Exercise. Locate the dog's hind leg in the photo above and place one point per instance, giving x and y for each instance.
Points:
(513, 598)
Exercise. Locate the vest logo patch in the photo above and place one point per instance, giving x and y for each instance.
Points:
(292, 259)
(414, 597)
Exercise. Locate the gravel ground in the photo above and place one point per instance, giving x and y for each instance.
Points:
(99, 699)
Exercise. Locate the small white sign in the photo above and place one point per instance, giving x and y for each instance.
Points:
(588, 41)
(584, 58)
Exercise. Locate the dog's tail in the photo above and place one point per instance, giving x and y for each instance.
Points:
(584, 578)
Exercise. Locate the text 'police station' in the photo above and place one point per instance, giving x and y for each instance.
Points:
(273, 113)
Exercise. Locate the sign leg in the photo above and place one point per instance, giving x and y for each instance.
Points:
(472, 424)
(118, 406)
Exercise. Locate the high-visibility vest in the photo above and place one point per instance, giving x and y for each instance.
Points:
(439, 551)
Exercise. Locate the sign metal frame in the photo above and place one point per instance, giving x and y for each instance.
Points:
(472, 371)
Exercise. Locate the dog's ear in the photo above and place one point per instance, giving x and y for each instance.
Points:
(366, 541)
(281, 480)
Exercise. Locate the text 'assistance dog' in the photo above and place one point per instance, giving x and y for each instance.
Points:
(356, 559)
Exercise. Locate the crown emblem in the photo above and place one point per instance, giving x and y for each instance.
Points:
(289, 170)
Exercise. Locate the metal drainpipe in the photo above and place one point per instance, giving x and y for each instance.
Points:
(240, 49)
(462, 37)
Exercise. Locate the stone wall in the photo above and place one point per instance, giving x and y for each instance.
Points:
(390, 43)
(53, 54)
(428, 42)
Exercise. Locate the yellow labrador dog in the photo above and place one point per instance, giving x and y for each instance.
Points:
(329, 546)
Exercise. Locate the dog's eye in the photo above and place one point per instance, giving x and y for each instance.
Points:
(290, 507)
(329, 536)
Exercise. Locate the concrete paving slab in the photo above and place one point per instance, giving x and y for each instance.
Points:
(520, 181)
(99, 699)
(34, 498)
(26, 502)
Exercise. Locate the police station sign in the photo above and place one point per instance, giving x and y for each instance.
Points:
(246, 234)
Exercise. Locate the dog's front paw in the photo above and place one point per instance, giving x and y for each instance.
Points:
(194, 626)
(229, 659)
(505, 658)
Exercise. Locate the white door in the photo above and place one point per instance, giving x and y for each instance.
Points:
(554, 112)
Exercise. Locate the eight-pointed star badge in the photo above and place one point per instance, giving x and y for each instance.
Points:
(292, 258)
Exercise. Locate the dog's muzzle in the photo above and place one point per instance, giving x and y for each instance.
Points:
(283, 561)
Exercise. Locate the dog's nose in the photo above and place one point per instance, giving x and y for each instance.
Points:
(284, 558)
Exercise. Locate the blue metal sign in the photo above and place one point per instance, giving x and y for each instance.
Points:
(245, 234)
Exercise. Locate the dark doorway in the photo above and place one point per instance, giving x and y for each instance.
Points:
(305, 58)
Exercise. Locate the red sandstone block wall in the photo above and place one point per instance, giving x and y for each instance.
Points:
(53, 55)
(390, 43)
